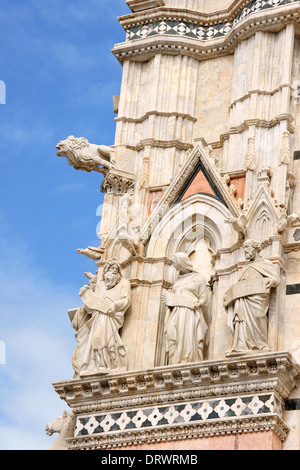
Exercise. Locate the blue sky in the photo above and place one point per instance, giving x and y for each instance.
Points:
(60, 76)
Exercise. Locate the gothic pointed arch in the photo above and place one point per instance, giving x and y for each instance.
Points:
(199, 164)
(199, 217)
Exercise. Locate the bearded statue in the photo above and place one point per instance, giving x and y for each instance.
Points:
(100, 349)
(247, 302)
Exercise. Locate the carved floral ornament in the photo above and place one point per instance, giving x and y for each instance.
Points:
(117, 184)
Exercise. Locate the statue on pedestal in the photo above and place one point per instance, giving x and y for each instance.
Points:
(185, 326)
(100, 349)
(247, 303)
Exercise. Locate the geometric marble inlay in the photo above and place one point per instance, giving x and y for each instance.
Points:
(205, 33)
(193, 412)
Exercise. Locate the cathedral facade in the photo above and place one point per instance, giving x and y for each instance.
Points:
(188, 330)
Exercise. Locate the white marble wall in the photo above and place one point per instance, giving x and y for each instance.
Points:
(157, 110)
(206, 6)
(166, 102)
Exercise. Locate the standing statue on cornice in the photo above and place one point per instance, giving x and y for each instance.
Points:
(247, 303)
(100, 349)
(185, 327)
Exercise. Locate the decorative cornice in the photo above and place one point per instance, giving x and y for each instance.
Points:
(244, 126)
(262, 92)
(210, 398)
(195, 17)
(270, 371)
(203, 42)
(156, 113)
(178, 144)
(206, 22)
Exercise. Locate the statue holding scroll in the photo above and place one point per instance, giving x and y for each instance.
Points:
(185, 326)
(100, 349)
(247, 303)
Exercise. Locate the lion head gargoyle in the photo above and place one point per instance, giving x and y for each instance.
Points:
(85, 156)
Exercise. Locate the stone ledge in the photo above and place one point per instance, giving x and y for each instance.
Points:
(196, 17)
(142, 5)
(252, 374)
(186, 401)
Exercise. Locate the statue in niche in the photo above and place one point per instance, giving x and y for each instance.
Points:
(247, 303)
(185, 326)
(100, 349)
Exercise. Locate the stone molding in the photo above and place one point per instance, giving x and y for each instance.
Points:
(141, 5)
(214, 45)
(193, 16)
(156, 113)
(262, 92)
(178, 144)
(266, 124)
(262, 372)
(211, 398)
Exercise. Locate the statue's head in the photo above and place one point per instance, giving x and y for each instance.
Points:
(182, 263)
(112, 273)
(70, 145)
(251, 249)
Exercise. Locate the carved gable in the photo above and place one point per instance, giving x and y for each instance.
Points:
(262, 214)
(198, 175)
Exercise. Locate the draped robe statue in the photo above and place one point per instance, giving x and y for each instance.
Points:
(99, 347)
(247, 303)
(185, 327)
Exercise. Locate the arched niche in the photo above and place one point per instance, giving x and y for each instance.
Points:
(197, 227)
(199, 219)
(262, 223)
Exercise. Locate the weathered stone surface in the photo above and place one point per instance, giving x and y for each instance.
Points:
(205, 158)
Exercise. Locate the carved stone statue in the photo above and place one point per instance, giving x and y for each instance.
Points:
(247, 302)
(99, 347)
(285, 222)
(85, 156)
(92, 252)
(239, 224)
(185, 327)
(65, 426)
(128, 230)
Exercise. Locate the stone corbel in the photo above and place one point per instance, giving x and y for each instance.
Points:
(118, 183)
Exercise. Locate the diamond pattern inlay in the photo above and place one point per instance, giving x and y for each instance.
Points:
(205, 33)
(192, 412)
